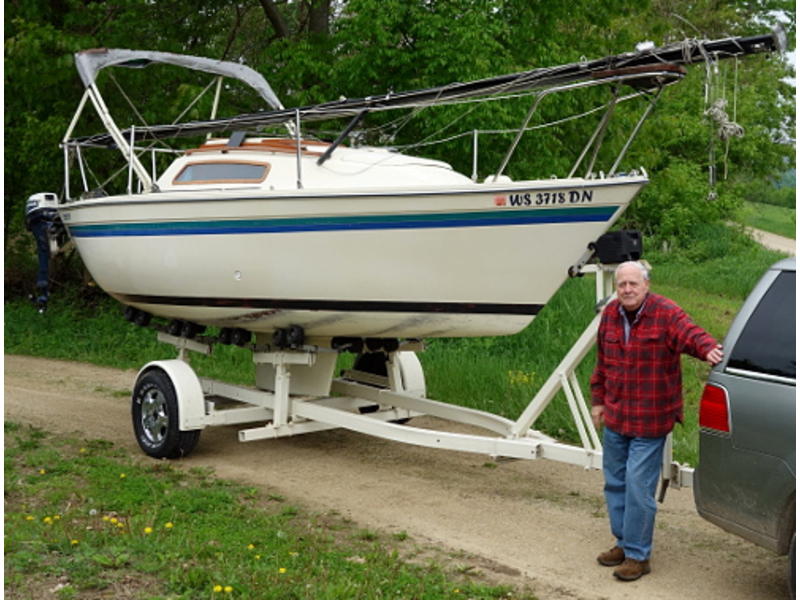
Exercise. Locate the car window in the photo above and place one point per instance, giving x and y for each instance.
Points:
(767, 342)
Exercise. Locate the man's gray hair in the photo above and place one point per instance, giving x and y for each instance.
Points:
(633, 263)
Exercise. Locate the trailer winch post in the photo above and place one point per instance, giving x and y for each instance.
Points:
(563, 378)
(565, 371)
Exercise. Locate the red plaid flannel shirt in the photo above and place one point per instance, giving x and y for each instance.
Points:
(639, 382)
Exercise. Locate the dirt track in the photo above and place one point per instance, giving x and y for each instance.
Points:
(772, 241)
(539, 523)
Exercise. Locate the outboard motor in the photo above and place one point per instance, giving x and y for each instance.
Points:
(42, 220)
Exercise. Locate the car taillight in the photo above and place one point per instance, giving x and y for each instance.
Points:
(714, 408)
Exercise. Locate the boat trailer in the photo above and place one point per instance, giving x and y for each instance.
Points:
(296, 393)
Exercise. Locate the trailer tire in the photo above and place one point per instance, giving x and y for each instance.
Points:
(154, 411)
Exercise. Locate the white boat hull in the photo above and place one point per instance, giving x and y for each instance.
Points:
(471, 260)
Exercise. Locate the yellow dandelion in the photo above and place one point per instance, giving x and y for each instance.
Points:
(168, 525)
(258, 557)
(114, 520)
(148, 530)
(122, 475)
(106, 518)
(74, 542)
(217, 588)
(30, 518)
(228, 589)
(251, 547)
(42, 471)
(282, 570)
(48, 520)
(120, 524)
(82, 450)
(56, 517)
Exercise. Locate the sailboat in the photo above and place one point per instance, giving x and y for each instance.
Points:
(254, 232)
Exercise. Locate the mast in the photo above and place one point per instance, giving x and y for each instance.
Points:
(648, 62)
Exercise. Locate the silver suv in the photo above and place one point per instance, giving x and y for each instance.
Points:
(745, 482)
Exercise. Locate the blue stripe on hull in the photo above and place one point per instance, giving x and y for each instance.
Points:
(371, 222)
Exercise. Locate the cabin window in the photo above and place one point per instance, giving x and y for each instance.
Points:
(222, 172)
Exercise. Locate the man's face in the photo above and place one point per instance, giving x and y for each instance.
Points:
(632, 287)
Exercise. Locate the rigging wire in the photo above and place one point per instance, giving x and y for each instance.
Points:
(723, 128)
(739, 131)
(152, 143)
(428, 142)
(515, 130)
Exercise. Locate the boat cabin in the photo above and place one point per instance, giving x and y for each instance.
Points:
(272, 164)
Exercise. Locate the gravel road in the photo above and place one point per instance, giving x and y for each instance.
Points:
(772, 241)
(534, 523)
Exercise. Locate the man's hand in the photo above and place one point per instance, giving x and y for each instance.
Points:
(715, 355)
(597, 414)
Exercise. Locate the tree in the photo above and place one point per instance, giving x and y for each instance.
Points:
(317, 50)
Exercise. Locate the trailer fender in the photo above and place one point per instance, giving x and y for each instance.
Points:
(189, 392)
(413, 378)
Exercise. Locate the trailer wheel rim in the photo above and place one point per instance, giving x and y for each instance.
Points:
(155, 419)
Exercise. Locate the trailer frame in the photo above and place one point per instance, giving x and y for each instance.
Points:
(296, 393)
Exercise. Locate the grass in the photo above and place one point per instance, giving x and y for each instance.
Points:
(83, 520)
(775, 219)
(92, 330)
(710, 280)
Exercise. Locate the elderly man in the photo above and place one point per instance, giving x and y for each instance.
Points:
(637, 396)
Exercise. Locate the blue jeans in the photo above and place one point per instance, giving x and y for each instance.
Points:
(631, 467)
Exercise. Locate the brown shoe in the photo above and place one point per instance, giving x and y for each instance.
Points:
(612, 558)
(632, 569)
